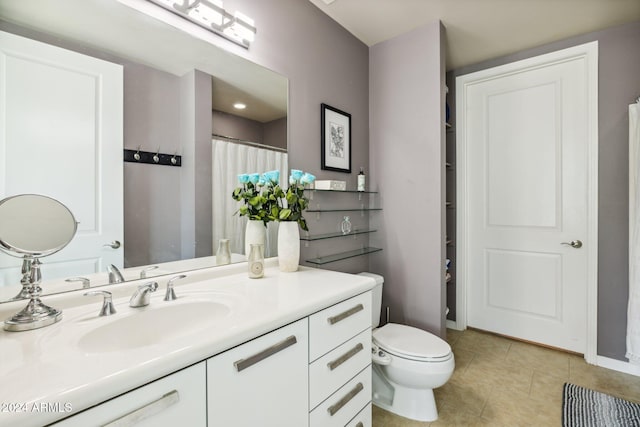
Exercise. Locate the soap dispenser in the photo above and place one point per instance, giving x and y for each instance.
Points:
(361, 180)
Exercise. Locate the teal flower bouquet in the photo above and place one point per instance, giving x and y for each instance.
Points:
(254, 191)
(265, 200)
(289, 204)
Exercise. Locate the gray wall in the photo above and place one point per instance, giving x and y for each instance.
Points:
(151, 120)
(324, 64)
(236, 127)
(273, 133)
(406, 91)
(201, 123)
(619, 86)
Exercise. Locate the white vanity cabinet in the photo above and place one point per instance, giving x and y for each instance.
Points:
(312, 372)
(263, 382)
(340, 364)
(177, 399)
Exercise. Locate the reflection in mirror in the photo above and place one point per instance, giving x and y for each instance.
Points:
(176, 92)
(33, 226)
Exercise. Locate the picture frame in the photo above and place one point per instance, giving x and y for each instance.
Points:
(335, 139)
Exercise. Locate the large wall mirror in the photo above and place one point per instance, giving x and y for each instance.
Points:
(176, 98)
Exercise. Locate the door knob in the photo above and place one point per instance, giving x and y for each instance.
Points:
(113, 245)
(577, 244)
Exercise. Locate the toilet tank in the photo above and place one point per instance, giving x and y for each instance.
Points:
(377, 297)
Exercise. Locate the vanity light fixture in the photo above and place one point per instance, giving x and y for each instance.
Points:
(211, 15)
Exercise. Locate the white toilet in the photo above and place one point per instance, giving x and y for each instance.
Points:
(408, 363)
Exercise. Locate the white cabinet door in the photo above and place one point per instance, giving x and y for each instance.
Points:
(263, 382)
(176, 400)
(61, 121)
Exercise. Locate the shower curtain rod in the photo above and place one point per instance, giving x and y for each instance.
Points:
(251, 143)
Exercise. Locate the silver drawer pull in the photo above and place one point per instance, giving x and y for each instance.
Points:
(360, 424)
(335, 319)
(147, 411)
(333, 409)
(252, 360)
(348, 355)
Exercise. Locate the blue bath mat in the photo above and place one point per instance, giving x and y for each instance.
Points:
(582, 407)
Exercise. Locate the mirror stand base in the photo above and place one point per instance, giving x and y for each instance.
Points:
(35, 315)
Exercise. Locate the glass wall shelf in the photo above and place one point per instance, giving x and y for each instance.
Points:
(337, 234)
(343, 255)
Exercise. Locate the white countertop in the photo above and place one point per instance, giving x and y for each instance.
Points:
(49, 366)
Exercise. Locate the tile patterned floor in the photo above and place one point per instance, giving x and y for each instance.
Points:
(501, 382)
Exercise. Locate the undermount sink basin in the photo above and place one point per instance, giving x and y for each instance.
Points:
(154, 325)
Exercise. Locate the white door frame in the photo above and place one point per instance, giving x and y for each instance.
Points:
(588, 52)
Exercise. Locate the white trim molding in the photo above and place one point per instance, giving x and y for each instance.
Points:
(618, 365)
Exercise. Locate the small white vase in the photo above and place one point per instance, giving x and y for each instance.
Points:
(288, 246)
(255, 233)
(223, 254)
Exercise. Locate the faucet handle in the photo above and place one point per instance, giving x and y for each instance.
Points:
(143, 273)
(171, 295)
(85, 282)
(115, 276)
(107, 303)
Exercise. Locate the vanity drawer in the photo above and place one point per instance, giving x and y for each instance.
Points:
(334, 325)
(338, 366)
(178, 399)
(363, 419)
(343, 405)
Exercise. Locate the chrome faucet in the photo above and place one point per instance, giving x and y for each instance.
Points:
(141, 296)
(107, 308)
(114, 274)
(170, 295)
(86, 284)
(143, 273)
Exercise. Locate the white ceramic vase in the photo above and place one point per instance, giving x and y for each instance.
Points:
(223, 254)
(288, 246)
(255, 233)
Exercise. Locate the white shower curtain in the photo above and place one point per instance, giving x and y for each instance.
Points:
(633, 313)
(229, 160)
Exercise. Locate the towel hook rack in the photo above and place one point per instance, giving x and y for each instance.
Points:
(152, 158)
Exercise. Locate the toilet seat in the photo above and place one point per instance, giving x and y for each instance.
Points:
(411, 343)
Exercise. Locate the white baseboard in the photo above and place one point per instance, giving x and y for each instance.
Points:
(451, 324)
(618, 365)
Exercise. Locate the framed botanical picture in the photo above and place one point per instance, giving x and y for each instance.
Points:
(336, 139)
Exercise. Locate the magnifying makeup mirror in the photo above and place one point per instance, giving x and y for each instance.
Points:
(33, 226)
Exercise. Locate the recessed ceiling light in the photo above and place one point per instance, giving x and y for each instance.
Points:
(328, 1)
(239, 106)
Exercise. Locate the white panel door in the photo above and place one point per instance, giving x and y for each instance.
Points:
(62, 126)
(526, 189)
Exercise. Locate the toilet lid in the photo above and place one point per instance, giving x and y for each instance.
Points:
(409, 341)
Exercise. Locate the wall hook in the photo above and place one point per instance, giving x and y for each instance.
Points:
(152, 158)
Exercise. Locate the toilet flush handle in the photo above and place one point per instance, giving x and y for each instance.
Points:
(379, 357)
